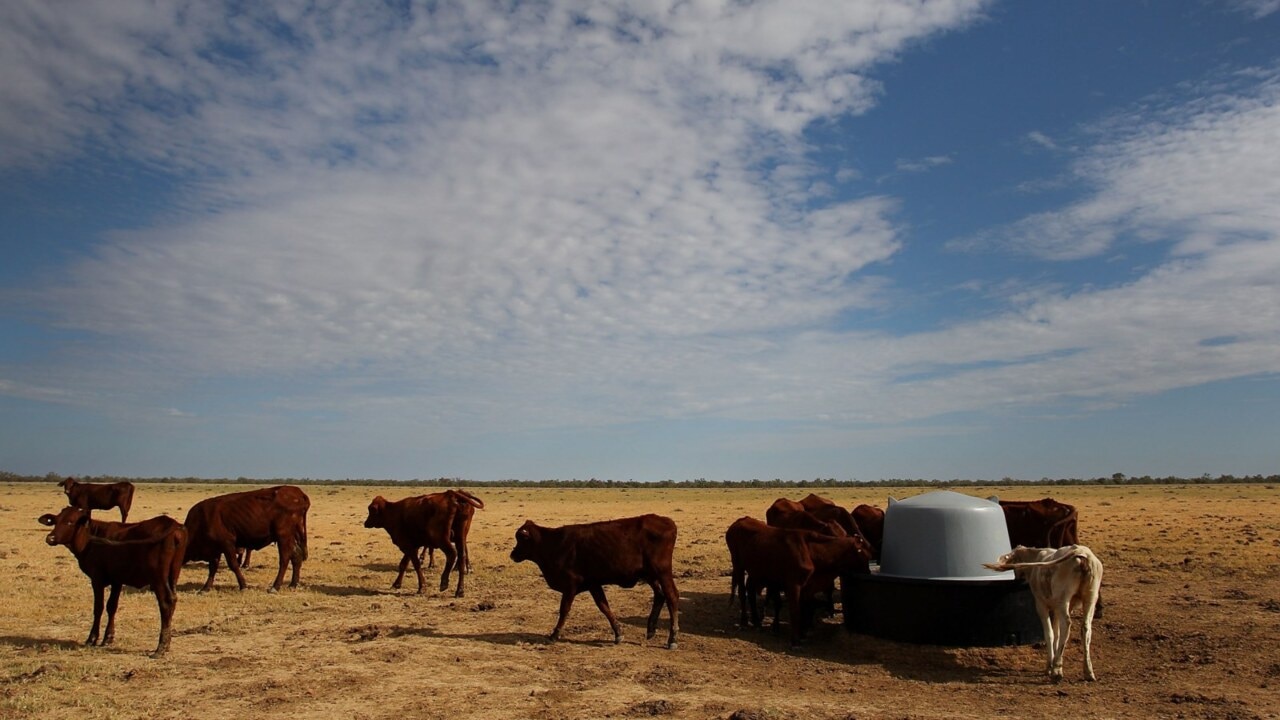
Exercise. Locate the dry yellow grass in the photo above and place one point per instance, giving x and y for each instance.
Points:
(1191, 627)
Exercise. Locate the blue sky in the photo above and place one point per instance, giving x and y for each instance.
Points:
(731, 240)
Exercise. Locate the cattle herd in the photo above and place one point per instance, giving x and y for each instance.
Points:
(799, 551)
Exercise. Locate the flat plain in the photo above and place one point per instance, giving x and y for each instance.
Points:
(1191, 626)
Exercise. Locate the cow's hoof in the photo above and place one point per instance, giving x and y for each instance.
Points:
(273, 590)
(673, 646)
(617, 639)
(159, 653)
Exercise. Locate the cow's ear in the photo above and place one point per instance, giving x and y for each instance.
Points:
(47, 519)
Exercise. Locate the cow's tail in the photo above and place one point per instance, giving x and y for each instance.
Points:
(470, 499)
(300, 539)
(1080, 557)
(1058, 535)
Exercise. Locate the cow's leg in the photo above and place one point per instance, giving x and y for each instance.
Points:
(752, 590)
(404, 565)
(450, 557)
(1087, 632)
(417, 570)
(1046, 628)
(672, 596)
(1062, 632)
(229, 551)
(742, 603)
(597, 594)
(287, 548)
(793, 607)
(566, 604)
(462, 571)
(651, 628)
(98, 594)
(113, 602)
(166, 599)
(213, 570)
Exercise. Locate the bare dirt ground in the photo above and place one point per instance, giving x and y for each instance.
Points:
(1191, 627)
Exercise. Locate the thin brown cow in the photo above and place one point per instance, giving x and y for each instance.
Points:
(141, 555)
(586, 557)
(252, 520)
(99, 496)
(427, 521)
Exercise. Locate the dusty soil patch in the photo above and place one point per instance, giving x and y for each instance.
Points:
(1191, 625)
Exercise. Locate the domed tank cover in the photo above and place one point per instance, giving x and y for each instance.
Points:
(943, 535)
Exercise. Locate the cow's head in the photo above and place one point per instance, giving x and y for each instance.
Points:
(67, 484)
(66, 525)
(375, 513)
(528, 537)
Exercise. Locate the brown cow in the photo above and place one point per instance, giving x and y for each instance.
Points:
(762, 556)
(784, 513)
(574, 558)
(145, 554)
(1044, 523)
(426, 521)
(461, 527)
(252, 520)
(99, 496)
(870, 520)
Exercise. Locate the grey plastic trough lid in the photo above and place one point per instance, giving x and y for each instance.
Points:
(943, 535)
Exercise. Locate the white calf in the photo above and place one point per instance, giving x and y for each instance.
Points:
(1059, 578)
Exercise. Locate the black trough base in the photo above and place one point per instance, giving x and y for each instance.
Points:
(967, 613)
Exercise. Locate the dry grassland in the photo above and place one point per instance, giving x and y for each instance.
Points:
(1191, 626)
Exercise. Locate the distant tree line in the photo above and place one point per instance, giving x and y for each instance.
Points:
(1114, 479)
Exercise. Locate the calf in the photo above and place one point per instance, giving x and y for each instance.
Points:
(763, 556)
(574, 558)
(1044, 523)
(461, 527)
(219, 526)
(870, 521)
(146, 554)
(99, 496)
(1059, 579)
(791, 515)
(429, 521)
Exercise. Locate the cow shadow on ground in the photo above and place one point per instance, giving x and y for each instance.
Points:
(345, 590)
(34, 642)
(495, 638)
(711, 615)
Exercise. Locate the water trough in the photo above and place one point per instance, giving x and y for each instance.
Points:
(931, 586)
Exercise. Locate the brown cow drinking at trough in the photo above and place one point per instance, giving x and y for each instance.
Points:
(145, 554)
(870, 520)
(252, 520)
(799, 563)
(431, 521)
(623, 552)
(99, 496)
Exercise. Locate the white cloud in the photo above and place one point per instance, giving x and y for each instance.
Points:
(587, 214)
(522, 203)
(1203, 170)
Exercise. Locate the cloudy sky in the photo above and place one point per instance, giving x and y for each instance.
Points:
(707, 238)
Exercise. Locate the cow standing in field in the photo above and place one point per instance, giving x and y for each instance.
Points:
(252, 520)
(799, 563)
(146, 554)
(1044, 523)
(764, 556)
(99, 496)
(623, 552)
(430, 521)
(461, 527)
(1060, 579)
(784, 513)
